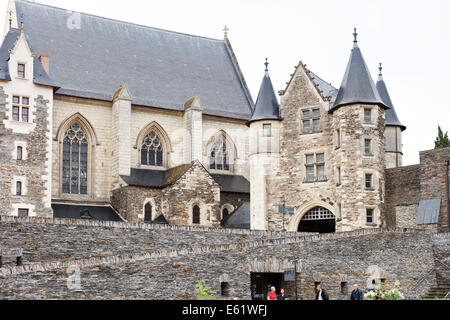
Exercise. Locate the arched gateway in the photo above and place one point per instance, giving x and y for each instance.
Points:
(319, 220)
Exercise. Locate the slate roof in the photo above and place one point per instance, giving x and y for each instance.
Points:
(161, 179)
(155, 178)
(239, 219)
(40, 76)
(357, 85)
(162, 68)
(391, 115)
(100, 213)
(267, 106)
(326, 89)
(232, 183)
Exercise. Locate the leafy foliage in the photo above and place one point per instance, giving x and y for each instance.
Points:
(202, 291)
(442, 140)
(382, 293)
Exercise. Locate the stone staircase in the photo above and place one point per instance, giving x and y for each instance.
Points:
(441, 290)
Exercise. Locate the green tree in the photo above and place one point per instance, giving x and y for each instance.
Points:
(202, 291)
(442, 140)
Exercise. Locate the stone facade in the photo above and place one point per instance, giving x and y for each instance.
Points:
(345, 196)
(407, 186)
(32, 170)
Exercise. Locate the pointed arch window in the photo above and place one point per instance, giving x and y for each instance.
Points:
(219, 157)
(75, 161)
(152, 150)
(196, 215)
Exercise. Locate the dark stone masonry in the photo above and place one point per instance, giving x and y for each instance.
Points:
(138, 261)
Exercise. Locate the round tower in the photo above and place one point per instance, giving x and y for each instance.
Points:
(394, 128)
(264, 149)
(358, 120)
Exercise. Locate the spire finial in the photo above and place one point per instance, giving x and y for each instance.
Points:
(267, 65)
(22, 28)
(355, 34)
(381, 69)
(225, 32)
(10, 18)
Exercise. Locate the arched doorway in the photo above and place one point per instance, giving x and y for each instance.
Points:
(318, 220)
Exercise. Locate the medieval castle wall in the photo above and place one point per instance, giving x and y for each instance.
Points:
(162, 262)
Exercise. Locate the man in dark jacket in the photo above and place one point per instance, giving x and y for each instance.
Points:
(321, 293)
(356, 293)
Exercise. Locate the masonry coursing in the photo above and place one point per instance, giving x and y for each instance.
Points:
(155, 271)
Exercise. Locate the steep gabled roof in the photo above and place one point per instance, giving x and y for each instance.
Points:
(267, 106)
(357, 85)
(93, 56)
(391, 115)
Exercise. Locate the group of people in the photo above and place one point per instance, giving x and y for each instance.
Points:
(321, 294)
(272, 295)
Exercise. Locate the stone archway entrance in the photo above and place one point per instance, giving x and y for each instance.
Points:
(319, 220)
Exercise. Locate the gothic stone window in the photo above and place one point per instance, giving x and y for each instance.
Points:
(196, 215)
(219, 157)
(75, 161)
(152, 150)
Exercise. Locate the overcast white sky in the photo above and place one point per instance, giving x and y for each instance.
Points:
(411, 38)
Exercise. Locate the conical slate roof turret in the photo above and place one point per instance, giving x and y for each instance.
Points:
(391, 115)
(357, 85)
(267, 106)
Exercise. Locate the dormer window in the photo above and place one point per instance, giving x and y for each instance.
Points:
(21, 71)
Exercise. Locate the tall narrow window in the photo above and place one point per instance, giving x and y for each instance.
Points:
(225, 213)
(16, 111)
(152, 150)
(19, 153)
(148, 213)
(75, 161)
(25, 114)
(219, 158)
(18, 188)
(369, 216)
(21, 70)
(267, 130)
(368, 181)
(196, 215)
(367, 115)
(338, 138)
(339, 176)
(367, 147)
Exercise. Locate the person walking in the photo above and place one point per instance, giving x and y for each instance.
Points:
(272, 294)
(356, 293)
(282, 295)
(321, 293)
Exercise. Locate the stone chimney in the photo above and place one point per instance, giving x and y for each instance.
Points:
(45, 60)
